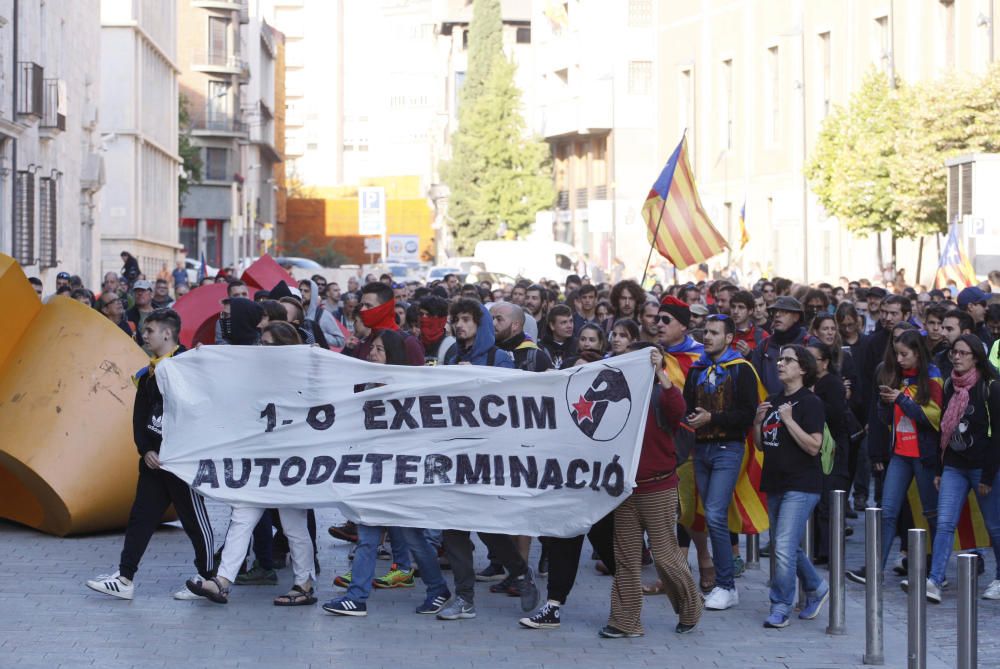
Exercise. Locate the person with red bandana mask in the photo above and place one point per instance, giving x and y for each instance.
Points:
(377, 311)
(433, 318)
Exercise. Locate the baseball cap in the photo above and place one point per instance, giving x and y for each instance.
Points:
(972, 295)
(142, 284)
(699, 309)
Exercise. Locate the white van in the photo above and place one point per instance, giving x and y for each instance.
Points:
(530, 259)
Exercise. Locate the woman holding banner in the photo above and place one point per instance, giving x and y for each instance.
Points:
(652, 508)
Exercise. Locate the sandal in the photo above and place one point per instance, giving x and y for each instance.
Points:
(297, 596)
(706, 578)
(655, 589)
(220, 596)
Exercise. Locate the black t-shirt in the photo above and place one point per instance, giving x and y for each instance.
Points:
(786, 465)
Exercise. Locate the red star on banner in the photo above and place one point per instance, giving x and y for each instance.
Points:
(583, 408)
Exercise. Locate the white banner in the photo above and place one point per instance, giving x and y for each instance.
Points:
(452, 447)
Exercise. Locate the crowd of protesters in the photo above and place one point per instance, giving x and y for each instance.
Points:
(858, 387)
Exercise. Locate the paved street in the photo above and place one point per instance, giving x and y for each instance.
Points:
(48, 618)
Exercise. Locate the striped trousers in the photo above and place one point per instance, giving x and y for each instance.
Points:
(656, 513)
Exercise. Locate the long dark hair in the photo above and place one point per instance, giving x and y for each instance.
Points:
(600, 335)
(892, 374)
(836, 352)
(987, 372)
(632, 287)
(395, 349)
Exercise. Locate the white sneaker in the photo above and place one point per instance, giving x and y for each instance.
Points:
(186, 595)
(112, 584)
(721, 599)
(992, 590)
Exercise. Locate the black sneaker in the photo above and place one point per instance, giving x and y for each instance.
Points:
(346, 532)
(545, 618)
(503, 586)
(609, 632)
(684, 629)
(856, 575)
(494, 572)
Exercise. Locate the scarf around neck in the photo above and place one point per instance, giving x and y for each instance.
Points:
(382, 317)
(958, 403)
(715, 373)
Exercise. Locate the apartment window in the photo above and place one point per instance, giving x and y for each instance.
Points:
(47, 222)
(640, 77)
(726, 104)
(772, 95)
(216, 164)
(218, 100)
(524, 35)
(948, 41)
(24, 218)
(640, 13)
(218, 38)
(825, 59)
(882, 44)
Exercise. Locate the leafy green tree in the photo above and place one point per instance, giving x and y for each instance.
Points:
(879, 162)
(190, 154)
(496, 175)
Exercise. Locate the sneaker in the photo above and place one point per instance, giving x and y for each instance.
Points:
(992, 590)
(739, 566)
(684, 629)
(114, 585)
(346, 532)
(933, 590)
(814, 604)
(527, 590)
(610, 632)
(185, 595)
(503, 586)
(457, 609)
(856, 575)
(543, 563)
(545, 618)
(346, 607)
(383, 553)
(776, 621)
(434, 603)
(494, 572)
(721, 599)
(395, 578)
(257, 575)
(901, 566)
(343, 581)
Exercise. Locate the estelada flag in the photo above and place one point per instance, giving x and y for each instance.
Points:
(744, 235)
(676, 223)
(954, 265)
(970, 531)
(748, 508)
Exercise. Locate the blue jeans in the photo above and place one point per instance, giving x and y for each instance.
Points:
(898, 475)
(788, 512)
(405, 540)
(990, 507)
(955, 486)
(716, 468)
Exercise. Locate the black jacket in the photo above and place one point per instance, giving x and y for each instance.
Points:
(979, 431)
(528, 356)
(147, 412)
(563, 355)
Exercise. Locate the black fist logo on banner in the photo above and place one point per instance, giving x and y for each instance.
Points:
(599, 400)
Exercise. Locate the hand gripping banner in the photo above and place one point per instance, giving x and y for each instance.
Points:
(448, 447)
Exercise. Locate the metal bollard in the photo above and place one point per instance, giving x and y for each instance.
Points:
(807, 548)
(968, 614)
(753, 551)
(838, 592)
(874, 640)
(916, 604)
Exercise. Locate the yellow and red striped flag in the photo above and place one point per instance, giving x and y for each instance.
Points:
(744, 235)
(970, 532)
(954, 265)
(677, 225)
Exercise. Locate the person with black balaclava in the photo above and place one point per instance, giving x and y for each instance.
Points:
(239, 319)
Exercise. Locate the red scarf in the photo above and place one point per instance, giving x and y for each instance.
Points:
(432, 329)
(958, 403)
(382, 317)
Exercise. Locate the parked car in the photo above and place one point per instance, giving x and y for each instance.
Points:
(439, 273)
(289, 262)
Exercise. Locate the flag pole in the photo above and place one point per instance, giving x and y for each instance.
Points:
(652, 245)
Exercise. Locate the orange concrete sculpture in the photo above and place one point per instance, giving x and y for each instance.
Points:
(67, 461)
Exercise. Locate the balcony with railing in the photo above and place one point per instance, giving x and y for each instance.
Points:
(217, 123)
(53, 106)
(219, 62)
(30, 79)
(241, 6)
